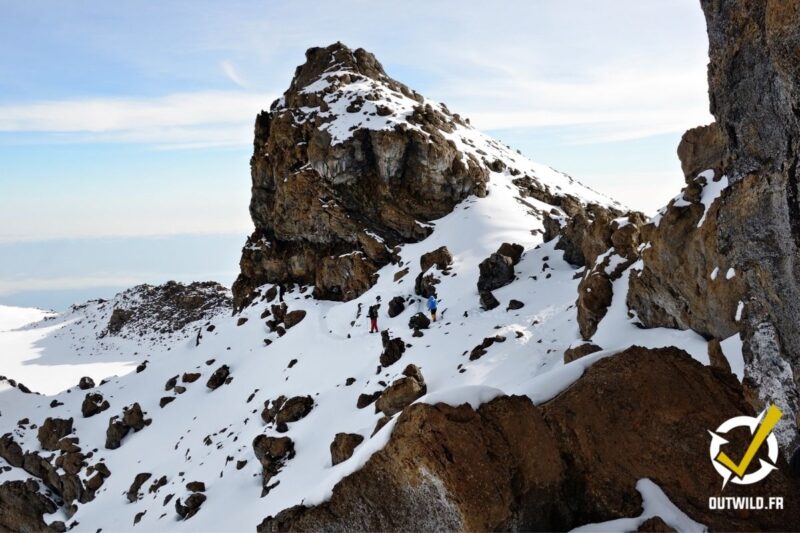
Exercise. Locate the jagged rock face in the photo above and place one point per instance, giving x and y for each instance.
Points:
(347, 162)
(510, 465)
(22, 507)
(754, 225)
(148, 309)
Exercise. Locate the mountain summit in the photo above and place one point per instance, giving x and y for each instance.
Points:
(350, 163)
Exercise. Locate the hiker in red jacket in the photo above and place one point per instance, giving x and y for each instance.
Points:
(373, 318)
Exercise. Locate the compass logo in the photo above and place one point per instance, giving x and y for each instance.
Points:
(761, 428)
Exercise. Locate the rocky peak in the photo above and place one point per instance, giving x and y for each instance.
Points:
(336, 58)
(350, 163)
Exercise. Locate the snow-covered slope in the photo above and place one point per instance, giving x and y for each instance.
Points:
(206, 435)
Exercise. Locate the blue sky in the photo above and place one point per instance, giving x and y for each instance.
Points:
(133, 120)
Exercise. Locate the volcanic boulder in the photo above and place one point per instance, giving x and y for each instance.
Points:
(343, 446)
(402, 392)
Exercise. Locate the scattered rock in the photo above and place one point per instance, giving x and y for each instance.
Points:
(190, 507)
(294, 409)
(293, 318)
(440, 257)
(495, 271)
(119, 317)
(196, 486)
(52, 430)
(86, 383)
(218, 378)
(402, 392)
(396, 306)
(393, 349)
(272, 453)
(165, 400)
(138, 481)
(93, 403)
(190, 377)
(366, 399)
(241, 321)
(513, 305)
(343, 446)
(480, 350)
(488, 301)
(132, 419)
(419, 321)
(511, 250)
(22, 507)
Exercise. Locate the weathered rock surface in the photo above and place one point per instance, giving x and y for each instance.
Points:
(148, 309)
(754, 224)
(219, 377)
(393, 349)
(22, 508)
(574, 460)
(496, 271)
(52, 430)
(582, 350)
(118, 427)
(343, 446)
(272, 453)
(396, 306)
(402, 392)
(449, 468)
(93, 403)
(329, 206)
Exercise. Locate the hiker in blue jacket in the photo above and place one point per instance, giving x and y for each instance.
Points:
(432, 306)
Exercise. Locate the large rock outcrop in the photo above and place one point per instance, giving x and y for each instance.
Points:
(744, 213)
(345, 166)
(510, 465)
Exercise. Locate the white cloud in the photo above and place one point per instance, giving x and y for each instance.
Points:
(14, 286)
(194, 119)
(233, 74)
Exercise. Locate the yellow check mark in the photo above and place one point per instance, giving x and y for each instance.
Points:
(771, 418)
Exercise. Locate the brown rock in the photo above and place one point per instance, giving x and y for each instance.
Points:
(272, 453)
(615, 422)
(86, 383)
(495, 271)
(716, 358)
(218, 378)
(402, 392)
(702, 148)
(330, 214)
(511, 250)
(366, 399)
(196, 486)
(294, 409)
(582, 350)
(190, 507)
(396, 306)
(138, 481)
(293, 318)
(655, 525)
(419, 321)
(22, 507)
(52, 430)
(190, 377)
(343, 446)
(488, 301)
(450, 468)
(393, 349)
(93, 403)
(441, 258)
